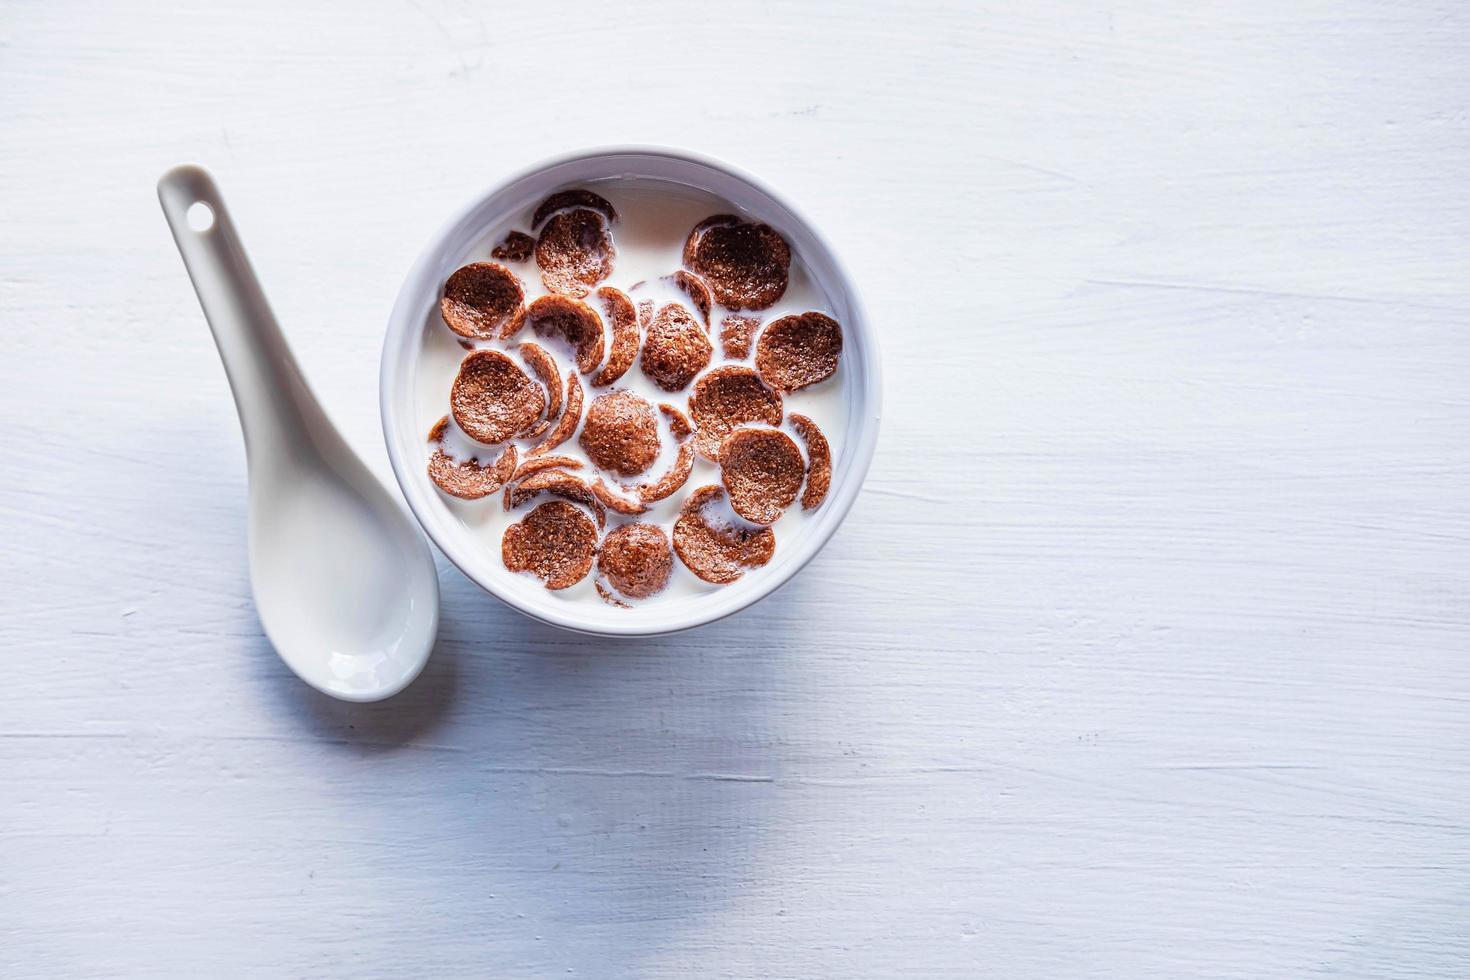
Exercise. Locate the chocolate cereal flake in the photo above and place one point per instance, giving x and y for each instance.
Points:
(746, 265)
(697, 291)
(621, 433)
(483, 301)
(714, 549)
(713, 221)
(676, 348)
(514, 247)
(762, 471)
(572, 320)
(622, 317)
(556, 542)
(636, 559)
(669, 484)
(736, 332)
(569, 419)
(724, 400)
(614, 500)
(608, 597)
(558, 483)
(798, 350)
(545, 367)
(678, 473)
(575, 251)
(697, 296)
(467, 479)
(819, 461)
(546, 463)
(678, 421)
(493, 399)
(575, 198)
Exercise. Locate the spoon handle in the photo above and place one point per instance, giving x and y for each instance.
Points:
(277, 410)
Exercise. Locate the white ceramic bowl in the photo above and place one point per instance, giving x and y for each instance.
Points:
(419, 298)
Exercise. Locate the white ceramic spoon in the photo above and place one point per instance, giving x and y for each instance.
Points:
(344, 584)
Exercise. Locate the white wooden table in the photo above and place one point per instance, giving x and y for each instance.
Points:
(1144, 653)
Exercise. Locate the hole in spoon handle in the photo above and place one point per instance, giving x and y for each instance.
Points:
(200, 217)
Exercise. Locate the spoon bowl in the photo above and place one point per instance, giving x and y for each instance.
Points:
(344, 583)
(344, 586)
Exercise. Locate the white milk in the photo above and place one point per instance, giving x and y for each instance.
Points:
(654, 218)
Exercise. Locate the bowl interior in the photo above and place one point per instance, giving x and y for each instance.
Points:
(417, 310)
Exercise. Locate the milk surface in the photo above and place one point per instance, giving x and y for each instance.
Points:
(654, 219)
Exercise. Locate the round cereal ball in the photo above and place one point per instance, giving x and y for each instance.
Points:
(621, 433)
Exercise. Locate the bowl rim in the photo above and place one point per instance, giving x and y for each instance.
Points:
(862, 438)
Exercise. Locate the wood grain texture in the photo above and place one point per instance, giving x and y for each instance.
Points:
(1142, 654)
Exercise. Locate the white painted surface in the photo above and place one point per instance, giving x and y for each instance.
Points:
(1165, 675)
